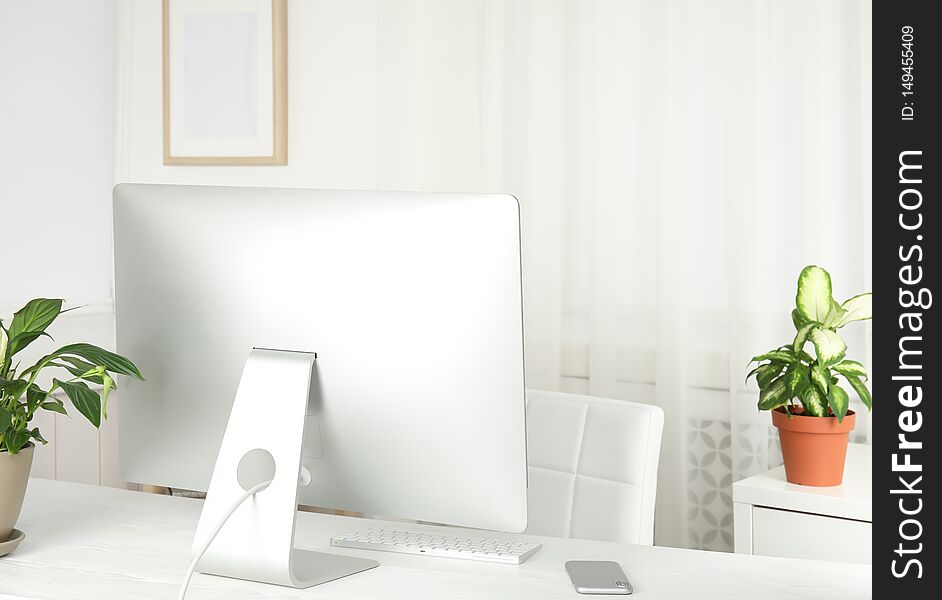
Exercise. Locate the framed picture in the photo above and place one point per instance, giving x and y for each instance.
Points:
(225, 82)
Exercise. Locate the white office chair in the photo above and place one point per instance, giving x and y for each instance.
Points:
(592, 467)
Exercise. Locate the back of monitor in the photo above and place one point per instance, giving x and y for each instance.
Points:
(412, 302)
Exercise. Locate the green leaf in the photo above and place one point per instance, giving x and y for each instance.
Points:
(34, 397)
(858, 308)
(35, 316)
(14, 387)
(34, 433)
(813, 300)
(797, 319)
(861, 389)
(85, 400)
(767, 373)
(802, 336)
(107, 384)
(828, 346)
(6, 419)
(819, 378)
(25, 339)
(805, 357)
(784, 356)
(758, 368)
(84, 370)
(796, 378)
(813, 401)
(4, 340)
(99, 356)
(838, 402)
(851, 367)
(834, 315)
(15, 440)
(30, 321)
(753, 372)
(75, 365)
(54, 405)
(773, 396)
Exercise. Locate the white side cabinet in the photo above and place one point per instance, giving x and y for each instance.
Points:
(775, 518)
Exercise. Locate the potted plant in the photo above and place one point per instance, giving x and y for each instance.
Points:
(21, 396)
(809, 406)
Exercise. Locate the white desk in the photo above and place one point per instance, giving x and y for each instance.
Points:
(775, 518)
(90, 542)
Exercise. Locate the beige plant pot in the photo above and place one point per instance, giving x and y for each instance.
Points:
(14, 473)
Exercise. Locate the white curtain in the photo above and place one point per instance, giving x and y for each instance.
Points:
(677, 163)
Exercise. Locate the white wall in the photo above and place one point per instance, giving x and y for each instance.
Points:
(382, 94)
(56, 139)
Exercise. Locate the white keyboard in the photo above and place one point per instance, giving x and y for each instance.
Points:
(435, 544)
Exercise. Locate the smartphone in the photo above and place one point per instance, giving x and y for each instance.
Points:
(598, 577)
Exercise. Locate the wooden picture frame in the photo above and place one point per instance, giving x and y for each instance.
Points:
(224, 103)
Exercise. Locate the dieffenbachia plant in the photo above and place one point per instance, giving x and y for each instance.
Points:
(789, 372)
(21, 396)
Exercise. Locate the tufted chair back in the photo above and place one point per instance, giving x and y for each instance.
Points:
(592, 467)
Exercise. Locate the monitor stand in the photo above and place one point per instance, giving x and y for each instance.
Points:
(263, 441)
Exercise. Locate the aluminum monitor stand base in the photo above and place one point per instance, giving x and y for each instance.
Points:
(257, 543)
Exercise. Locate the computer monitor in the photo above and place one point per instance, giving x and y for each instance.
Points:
(412, 302)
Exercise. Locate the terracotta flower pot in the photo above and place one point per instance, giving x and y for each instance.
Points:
(814, 448)
(14, 473)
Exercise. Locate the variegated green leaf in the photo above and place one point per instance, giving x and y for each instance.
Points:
(773, 396)
(813, 401)
(828, 346)
(802, 336)
(858, 308)
(756, 370)
(851, 367)
(767, 373)
(835, 315)
(838, 402)
(752, 372)
(4, 339)
(797, 319)
(813, 300)
(784, 356)
(796, 378)
(819, 378)
(861, 389)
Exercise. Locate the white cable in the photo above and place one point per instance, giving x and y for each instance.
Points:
(196, 559)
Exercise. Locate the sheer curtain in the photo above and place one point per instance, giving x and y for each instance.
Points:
(677, 164)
